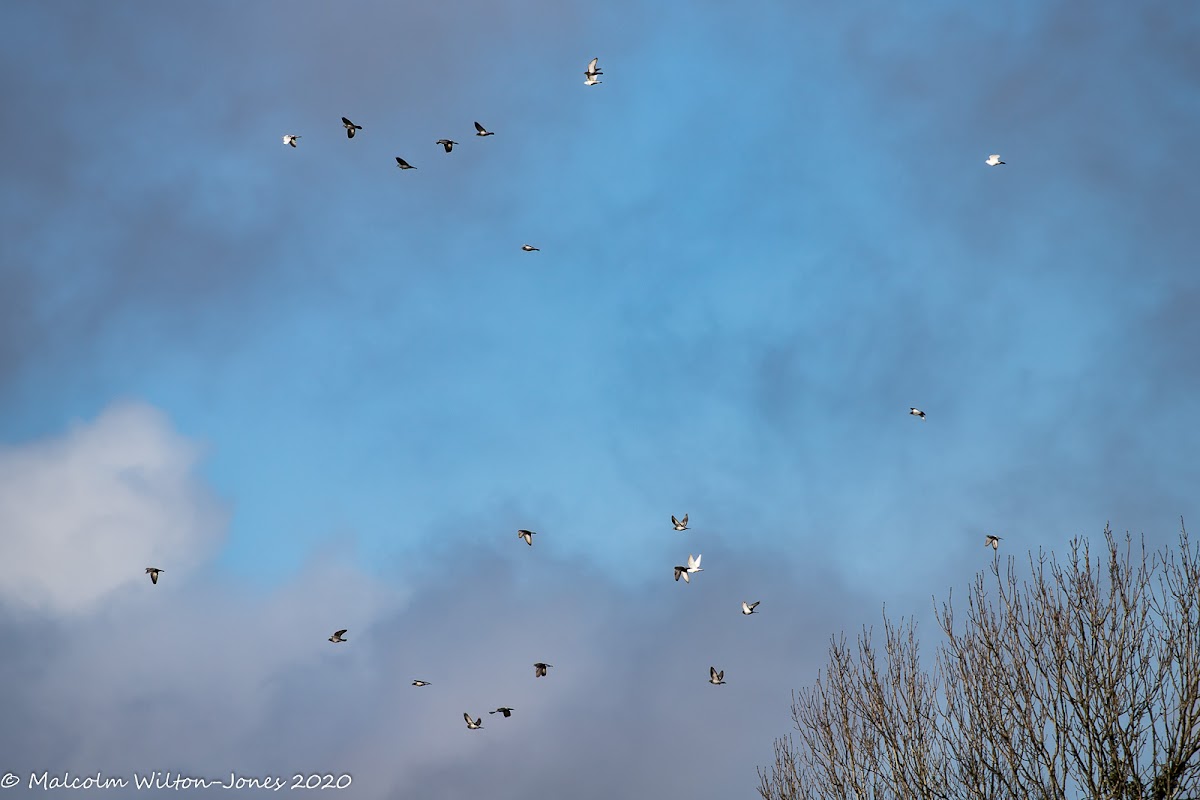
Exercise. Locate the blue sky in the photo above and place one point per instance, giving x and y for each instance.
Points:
(764, 236)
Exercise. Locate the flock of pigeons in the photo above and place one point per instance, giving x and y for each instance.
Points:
(540, 669)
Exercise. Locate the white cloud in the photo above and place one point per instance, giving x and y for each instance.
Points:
(84, 513)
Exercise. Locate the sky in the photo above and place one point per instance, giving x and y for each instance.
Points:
(320, 392)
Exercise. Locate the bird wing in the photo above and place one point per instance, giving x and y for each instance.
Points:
(480, 128)
(339, 633)
(712, 673)
(674, 521)
(685, 520)
(467, 717)
(592, 65)
(687, 578)
(347, 122)
(754, 605)
(721, 675)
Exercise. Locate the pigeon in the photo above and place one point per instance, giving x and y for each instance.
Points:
(350, 128)
(446, 143)
(337, 636)
(682, 572)
(694, 565)
(482, 131)
(505, 710)
(402, 164)
(473, 725)
(527, 536)
(993, 160)
(528, 248)
(749, 608)
(420, 683)
(714, 677)
(290, 138)
(916, 412)
(539, 670)
(153, 573)
(591, 73)
(992, 541)
(680, 524)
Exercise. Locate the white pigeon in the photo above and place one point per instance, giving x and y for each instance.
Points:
(680, 524)
(528, 248)
(694, 564)
(749, 608)
(337, 636)
(290, 138)
(993, 160)
(916, 412)
(992, 541)
(714, 677)
(473, 725)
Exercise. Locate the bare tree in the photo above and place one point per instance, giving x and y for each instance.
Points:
(1081, 680)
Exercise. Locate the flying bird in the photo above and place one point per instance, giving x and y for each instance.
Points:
(482, 131)
(591, 73)
(337, 636)
(694, 565)
(539, 669)
(527, 536)
(402, 164)
(290, 138)
(473, 725)
(992, 541)
(528, 248)
(682, 572)
(446, 143)
(505, 710)
(350, 128)
(153, 573)
(749, 608)
(680, 524)
(993, 160)
(420, 683)
(714, 677)
(916, 412)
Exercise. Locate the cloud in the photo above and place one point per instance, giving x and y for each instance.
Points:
(206, 673)
(84, 513)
